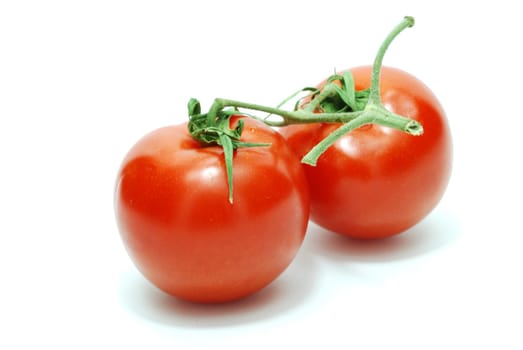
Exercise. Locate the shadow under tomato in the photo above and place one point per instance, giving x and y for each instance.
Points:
(434, 232)
(285, 293)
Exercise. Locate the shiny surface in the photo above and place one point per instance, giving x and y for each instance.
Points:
(376, 181)
(179, 228)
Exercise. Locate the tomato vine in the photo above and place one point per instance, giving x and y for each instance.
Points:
(337, 102)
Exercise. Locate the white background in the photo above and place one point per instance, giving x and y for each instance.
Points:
(81, 81)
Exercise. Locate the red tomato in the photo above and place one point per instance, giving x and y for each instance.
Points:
(375, 181)
(182, 233)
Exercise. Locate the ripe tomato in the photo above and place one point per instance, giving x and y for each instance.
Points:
(375, 181)
(176, 222)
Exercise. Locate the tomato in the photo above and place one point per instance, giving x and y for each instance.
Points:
(174, 217)
(376, 182)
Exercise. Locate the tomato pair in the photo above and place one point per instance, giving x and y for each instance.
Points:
(193, 237)
(187, 239)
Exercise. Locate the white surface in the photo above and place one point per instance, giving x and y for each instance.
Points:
(80, 82)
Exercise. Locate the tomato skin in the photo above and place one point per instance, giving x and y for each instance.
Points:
(172, 210)
(376, 182)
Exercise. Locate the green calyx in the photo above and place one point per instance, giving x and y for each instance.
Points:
(336, 102)
(216, 130)
(337, 96)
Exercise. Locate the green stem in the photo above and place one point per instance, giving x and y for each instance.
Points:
(374, 112)
(213, 127)
(287, 117)
(371, 115)
(374, 96)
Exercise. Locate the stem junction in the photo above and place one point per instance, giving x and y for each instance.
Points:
(336, 102)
